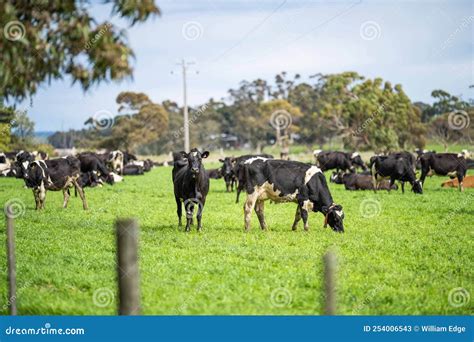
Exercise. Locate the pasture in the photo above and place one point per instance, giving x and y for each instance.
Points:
(400, 254)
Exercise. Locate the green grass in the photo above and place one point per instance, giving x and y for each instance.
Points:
(405, 260)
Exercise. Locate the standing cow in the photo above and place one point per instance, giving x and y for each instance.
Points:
(289, 181)
(393, 168)
(228, 173)
(444, 164)
(191, 184)
(339, 160)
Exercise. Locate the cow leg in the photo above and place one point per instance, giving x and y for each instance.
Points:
(403, 187)
(374, 183)
(66, 197)
(460, 179)
(199, 214)
(42, 195)
(304, 216)
(179, 210)
(81, 194)
(37, 200)
(248, 208)
(259, 209)
(189, 215)
(238, 195)
(297, 217)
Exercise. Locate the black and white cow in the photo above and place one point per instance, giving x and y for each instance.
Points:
(339, 160)
(115, 161)
(394, 168)
(22, 161)
(357, 181)
(54, 175)
(191, 184)
(444, 164)
(91, 162)
(238, 169)
(289, 181)
(227, 171)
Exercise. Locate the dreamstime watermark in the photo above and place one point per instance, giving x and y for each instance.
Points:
(281, 297)
(14, 30)
(192, 30)
(463, 26)
(97, 36)
(458, 120)
(370, 207)
(184, 306)
(194, 118)
(18, 292)
(367, 300)
(14, 208)
(380, 109)
(103, 297)
(370, 30)
(459, 297)
(103, 119)
(281, 119)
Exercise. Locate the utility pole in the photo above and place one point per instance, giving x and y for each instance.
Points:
(184, 66)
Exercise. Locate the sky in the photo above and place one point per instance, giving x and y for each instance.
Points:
(423, 45)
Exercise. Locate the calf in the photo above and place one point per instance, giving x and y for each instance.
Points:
(339, 160)
(191, 184)
(357, 181)
(289, 181)
(444, 164)
(228, 173)
(54, 175)
(393, 168)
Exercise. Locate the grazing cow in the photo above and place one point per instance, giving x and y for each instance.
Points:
(54, 175)
(444, 164)
(132, 170)
(340, 161)
(238, 169)
(393, 168)
(468, 182)
(191, 184)
(228, 173)
(357, 181)
(289, 181)
(91, 162)
(214, 173)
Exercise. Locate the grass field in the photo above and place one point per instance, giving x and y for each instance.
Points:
(405, 259)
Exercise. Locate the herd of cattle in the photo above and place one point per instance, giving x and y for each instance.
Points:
(261, 176)
(87, 169)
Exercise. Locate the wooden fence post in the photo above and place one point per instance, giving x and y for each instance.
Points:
(330, 283)
(11, 262)
(127, 267)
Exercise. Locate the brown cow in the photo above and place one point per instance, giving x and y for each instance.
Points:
(468, 182)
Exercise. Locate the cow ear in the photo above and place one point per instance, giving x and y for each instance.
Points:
(337, 207)
(220, 159)
(205, 154)
(183, 154)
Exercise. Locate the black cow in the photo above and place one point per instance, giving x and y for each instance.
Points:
(358, 181)
(384, 167)
(238, 169)
(444, 164)
(89, 179)
(340, 161)
(227, 170)
(54, 175)
(91, 162)
(132, 170)
(191, 184)
(289, 181)
(128, 157)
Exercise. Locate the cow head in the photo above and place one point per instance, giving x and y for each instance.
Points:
(194, 159)
(334, 216)
(357, 161)
(417, 187)
(22, 162)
